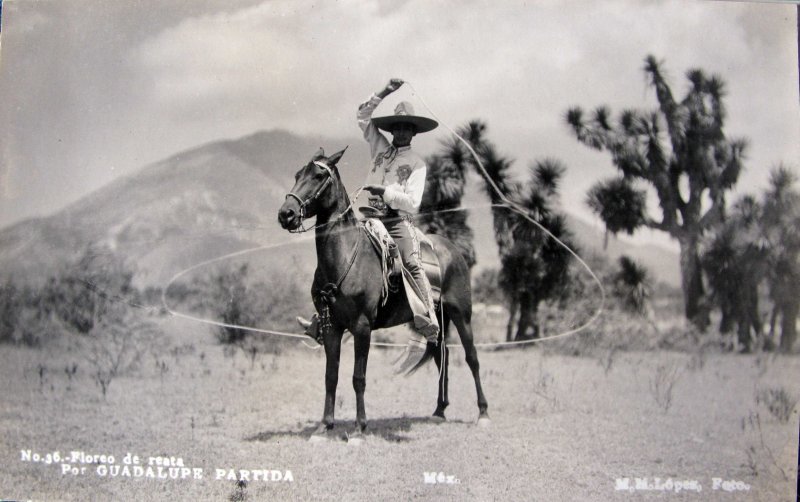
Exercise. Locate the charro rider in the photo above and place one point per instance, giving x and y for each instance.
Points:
(398, 176)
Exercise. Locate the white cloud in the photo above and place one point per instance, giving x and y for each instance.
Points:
(305, 65)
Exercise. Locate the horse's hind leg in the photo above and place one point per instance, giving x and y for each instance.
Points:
(442, 358)
(463, 324)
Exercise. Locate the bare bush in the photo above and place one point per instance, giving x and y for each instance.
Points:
(758, 451)
(662, 384)
(778, 402)
(118, 342)
(240, 301)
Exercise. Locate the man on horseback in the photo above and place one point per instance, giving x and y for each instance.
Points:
(398, 181)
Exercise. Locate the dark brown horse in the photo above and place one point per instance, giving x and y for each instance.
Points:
(349, 270)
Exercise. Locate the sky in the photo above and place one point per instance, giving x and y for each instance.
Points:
(94, 89)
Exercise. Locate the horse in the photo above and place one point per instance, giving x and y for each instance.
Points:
(349, 277)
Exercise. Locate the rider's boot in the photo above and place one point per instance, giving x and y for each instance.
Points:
(421, 303)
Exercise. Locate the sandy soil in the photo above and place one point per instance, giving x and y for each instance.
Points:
(563, 428)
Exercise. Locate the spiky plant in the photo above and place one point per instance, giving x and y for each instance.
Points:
(680, 142)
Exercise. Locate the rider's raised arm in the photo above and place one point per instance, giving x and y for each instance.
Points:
(377, 141)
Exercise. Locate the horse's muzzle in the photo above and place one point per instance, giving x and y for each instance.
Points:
(288, 217)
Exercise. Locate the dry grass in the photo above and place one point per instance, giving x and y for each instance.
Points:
(563, 427)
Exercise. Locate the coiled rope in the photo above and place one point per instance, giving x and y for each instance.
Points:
(507, 204)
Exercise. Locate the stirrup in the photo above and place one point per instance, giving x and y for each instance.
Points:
(310, 328)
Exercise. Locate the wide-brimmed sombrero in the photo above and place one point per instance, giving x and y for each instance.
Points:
(404, 112)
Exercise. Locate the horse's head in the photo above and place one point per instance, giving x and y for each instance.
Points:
(315, 192)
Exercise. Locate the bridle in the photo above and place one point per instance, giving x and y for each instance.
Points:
(314, 196)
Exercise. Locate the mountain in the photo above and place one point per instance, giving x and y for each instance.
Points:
(223, 197)
(193, 206)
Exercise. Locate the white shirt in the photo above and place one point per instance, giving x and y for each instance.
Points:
(400, 170)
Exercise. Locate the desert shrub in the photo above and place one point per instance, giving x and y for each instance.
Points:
(78, 298)
(9, 310)
(662, 384)
(778, 402)
(25, 317)
(234, 296)
(118, 341)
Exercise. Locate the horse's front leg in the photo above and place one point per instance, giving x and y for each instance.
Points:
(333, 346)
(361, 342)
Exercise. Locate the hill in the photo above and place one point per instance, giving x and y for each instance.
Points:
(222, 197)
(190, 207)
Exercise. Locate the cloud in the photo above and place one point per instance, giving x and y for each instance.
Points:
(132, 83)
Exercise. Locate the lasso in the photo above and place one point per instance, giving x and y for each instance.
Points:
(507, 204)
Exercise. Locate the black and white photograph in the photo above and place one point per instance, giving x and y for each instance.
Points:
(399, 250)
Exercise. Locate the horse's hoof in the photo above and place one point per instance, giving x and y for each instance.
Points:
(484, 422)
(438, 419)
(321, 434)
(357, 439)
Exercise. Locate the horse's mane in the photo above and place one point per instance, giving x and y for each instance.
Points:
(343, 189)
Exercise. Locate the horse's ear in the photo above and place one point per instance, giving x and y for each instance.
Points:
(320, 154)
(333, 159)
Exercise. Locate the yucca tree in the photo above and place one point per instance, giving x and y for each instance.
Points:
(781, 226)
(441, 212)
(735, 262)
(619, 205)
(680, 143)
(534, 267)
(632, 285)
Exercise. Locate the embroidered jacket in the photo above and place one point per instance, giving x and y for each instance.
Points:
(400, 170)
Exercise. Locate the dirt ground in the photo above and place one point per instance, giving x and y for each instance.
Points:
(563, 428)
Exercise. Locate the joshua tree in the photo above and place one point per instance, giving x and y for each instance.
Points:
(632, 285)
(534, 267)
(781, 227)
(735, 262)
(680, 150)
(444, 188)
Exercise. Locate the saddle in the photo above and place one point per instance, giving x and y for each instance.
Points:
(392, 262)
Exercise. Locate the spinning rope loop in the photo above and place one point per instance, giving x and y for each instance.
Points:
(507, 204)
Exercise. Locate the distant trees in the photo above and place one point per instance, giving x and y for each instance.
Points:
(735, 262)
(780, 222)
(534, 267)
(681, 151)
(84, 296)
(759, 244)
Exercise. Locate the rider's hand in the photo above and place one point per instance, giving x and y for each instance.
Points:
(375, 189)
(394, 84)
